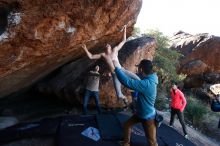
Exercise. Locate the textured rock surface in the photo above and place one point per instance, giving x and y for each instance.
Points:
(68, 82)
(201, 50)
(43, 35)
(201, 57)
(193, 81)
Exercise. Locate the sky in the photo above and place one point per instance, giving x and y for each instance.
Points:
(170, 16)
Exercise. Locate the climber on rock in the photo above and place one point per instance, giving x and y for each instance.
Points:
(109, 56)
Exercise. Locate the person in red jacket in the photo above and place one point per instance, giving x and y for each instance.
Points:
(178, 104)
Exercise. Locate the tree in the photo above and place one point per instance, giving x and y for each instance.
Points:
(165, 59)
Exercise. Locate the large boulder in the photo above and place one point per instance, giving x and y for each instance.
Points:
(40, 36)
(193, 81)
(201, 50)
(68, 82)
(201, 57)
(212, 78)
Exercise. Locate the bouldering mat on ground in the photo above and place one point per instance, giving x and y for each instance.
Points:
(71, 128)
(67, 131)
(110, 127)
(45, 127)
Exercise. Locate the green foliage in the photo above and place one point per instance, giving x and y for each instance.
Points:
(162, 40)
(162, 102)
(136, 32)
(165, 59)
(195, 111)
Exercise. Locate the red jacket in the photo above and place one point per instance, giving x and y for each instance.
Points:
(178, 100)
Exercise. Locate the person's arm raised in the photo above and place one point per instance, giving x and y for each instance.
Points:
(119, 46)
(90, 55)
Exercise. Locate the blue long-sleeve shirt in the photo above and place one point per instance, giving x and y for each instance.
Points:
(147, 89)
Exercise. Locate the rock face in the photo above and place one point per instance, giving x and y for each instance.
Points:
(201, 57)
(67, 83)
(42, 35)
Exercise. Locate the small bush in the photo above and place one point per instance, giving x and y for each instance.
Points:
(195, 111)
(161, 101)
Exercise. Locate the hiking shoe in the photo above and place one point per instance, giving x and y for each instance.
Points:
(186, 136)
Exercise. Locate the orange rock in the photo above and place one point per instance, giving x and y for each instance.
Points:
(44, 35)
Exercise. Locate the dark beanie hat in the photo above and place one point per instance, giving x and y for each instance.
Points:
(146, 66)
